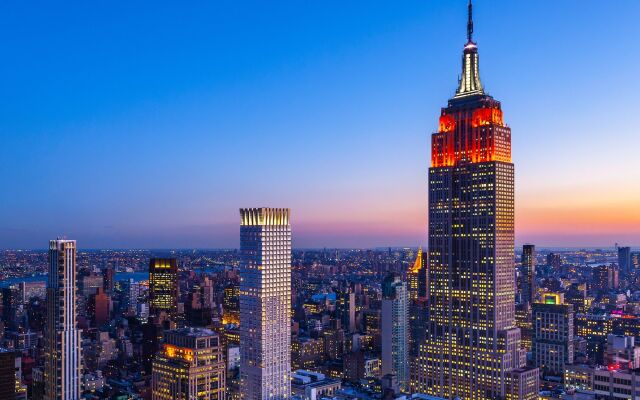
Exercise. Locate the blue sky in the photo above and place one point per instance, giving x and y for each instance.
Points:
(148, 124)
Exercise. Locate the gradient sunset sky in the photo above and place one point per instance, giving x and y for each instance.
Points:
(148, 124)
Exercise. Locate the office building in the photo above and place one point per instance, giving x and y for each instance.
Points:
(395, 330)
(417, 278)
(553, 334)
(265, 304)
(624, 261)
(606, 277)
(7, 374)
(163, 286)
(346, 309)
(472, 340)
(527, 276)
(63, 356)
(189, 366)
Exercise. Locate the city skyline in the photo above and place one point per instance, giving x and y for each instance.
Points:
(353, 144)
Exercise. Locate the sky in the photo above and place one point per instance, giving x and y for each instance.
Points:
(149, 124)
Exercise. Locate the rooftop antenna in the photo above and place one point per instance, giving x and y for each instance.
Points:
(470, 23)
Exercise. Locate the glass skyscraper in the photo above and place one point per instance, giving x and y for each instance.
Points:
(265, 304)
(472, 346)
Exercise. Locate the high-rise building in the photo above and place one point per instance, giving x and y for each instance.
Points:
(605, 277)
(554, 261)
(163, 286)
(109, 279)
(63, 356)
(417, 278)
(9, 384)
(395, 330)
(472, 339)
(346, 309)
(265, 304)
(553, 334)
(624, 260)
(189, 366)
(100, 305)
(527, 275)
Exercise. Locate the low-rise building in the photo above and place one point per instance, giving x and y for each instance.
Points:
(309, 385)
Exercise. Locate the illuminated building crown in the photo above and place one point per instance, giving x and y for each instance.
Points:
(469, 83)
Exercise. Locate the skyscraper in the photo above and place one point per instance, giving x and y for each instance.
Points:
(527, 276)
(395, 330)
(163, 286)
(472, 341)
(62, 337)
(624, 260)
(417, 278)
(265, 304)
(189, 366)
(346, 309)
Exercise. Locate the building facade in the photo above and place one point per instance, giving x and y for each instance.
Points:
(395, 330)
(553, 330)
(63, 356)
(624, 260)
(189, 366)
(527, 277)
(163, 286)
(472, 340)
(265, 304)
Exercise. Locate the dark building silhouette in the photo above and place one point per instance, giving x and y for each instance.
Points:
(527, 277)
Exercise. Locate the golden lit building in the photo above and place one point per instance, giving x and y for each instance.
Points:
(472, 342)
(189, 366)
(417, 278)
(163, 286)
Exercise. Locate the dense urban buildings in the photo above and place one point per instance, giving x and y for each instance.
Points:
(470, 317)
(265, 304)
(63, 357)
(473, 342)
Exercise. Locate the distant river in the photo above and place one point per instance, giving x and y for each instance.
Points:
(120, 276)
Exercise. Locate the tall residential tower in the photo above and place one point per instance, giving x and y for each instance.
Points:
(62, 336)
(265, 304)
(472, 347)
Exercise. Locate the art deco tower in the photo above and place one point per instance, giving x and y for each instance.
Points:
(62, 337)
(265, 304)
(472, 342)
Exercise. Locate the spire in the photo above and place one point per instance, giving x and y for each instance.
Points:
(470, 24)
(470, 81)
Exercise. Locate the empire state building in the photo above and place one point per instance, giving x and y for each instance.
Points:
(472, 349)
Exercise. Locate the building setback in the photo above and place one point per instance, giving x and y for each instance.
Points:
(472, 341)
